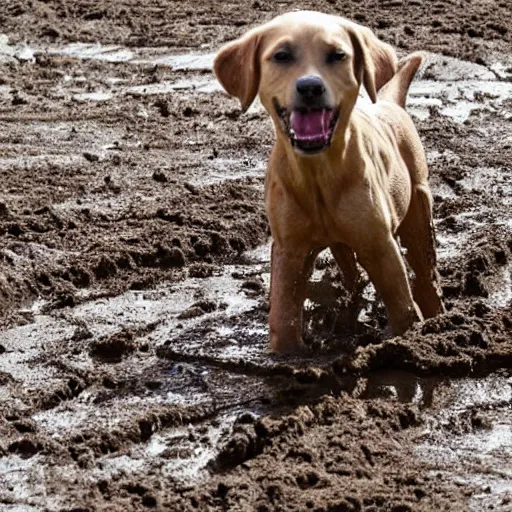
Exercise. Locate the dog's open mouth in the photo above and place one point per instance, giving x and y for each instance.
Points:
(309, 130)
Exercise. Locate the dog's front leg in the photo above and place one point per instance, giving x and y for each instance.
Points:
(291, 267)
(385, 266)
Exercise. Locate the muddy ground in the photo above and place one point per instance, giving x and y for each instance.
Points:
(134, 270)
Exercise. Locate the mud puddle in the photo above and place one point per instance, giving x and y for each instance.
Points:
(227, 304)
(469, 438)
(450, 87)
(453, 88)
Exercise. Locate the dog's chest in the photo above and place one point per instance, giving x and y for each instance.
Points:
(331, 210)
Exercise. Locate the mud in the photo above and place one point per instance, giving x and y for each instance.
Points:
(134, 274)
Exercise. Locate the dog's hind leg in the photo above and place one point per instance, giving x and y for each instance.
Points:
(418, 236)
(291, 268)
(346, 260)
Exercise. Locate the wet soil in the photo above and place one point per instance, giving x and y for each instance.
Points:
(459, 28)
(134, 272)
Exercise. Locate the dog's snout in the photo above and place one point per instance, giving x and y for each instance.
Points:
(310, 87)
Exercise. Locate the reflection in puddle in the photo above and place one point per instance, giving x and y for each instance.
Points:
(403, 386)
(468, 434)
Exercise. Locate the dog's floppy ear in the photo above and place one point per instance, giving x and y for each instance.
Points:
(237, 67)
(375, 62)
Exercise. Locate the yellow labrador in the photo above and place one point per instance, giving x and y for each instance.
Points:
(339, 176)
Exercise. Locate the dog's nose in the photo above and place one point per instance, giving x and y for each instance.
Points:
(310, 87)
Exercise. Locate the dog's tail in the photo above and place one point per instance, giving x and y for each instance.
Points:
(396, 89)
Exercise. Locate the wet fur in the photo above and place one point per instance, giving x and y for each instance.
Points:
(355, 197)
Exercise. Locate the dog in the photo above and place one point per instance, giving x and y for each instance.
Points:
(349, 178)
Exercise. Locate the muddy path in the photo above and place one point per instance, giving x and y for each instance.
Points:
(134, 272)
(459, 28)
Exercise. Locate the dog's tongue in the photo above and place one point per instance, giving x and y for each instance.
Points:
(311, 125)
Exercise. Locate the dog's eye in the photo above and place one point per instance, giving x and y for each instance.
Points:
(335, 56)
(283, 57)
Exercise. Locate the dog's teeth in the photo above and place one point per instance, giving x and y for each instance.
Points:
(292, 134)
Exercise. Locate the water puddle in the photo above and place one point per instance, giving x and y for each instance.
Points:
(86, 51)
(86, 413)
(29, 162)
(24, 344)
(224, 169)
(498, 182)
(93, 96)
(171, 308)
(457, 99)
(469, 439)
(137, 56)
(448, 244)
(500, 285)
(467, 223)
(168, 304)
(196, 84)
(468, 434)
(191, 62)
(24, 483)
(183, 452)
(14, 53)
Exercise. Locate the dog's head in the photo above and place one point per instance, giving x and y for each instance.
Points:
(307, 68)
